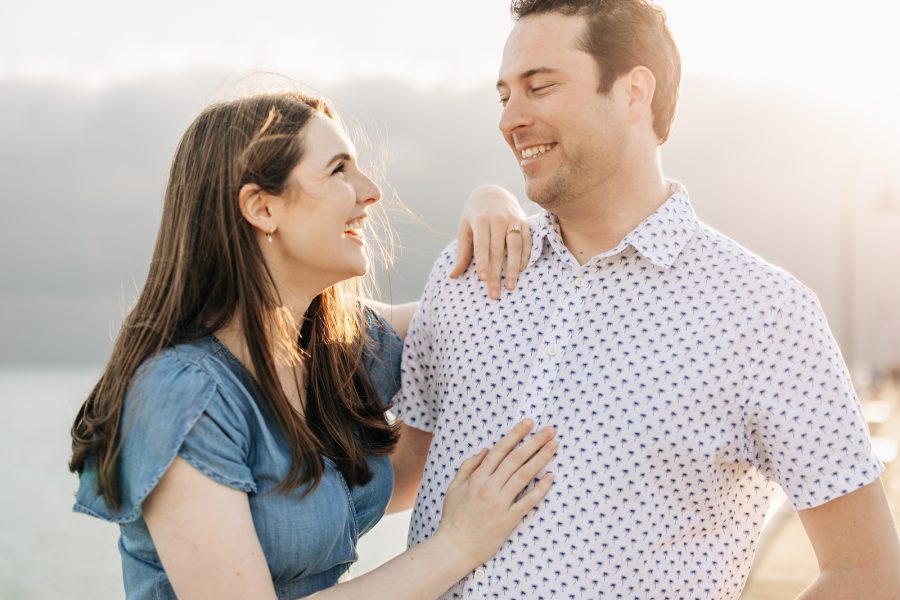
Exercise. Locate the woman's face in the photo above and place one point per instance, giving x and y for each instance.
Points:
(320, 218)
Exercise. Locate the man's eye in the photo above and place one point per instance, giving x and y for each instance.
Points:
(542, 88)
(503, 101)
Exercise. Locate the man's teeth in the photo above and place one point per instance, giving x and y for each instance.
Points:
(534, 151)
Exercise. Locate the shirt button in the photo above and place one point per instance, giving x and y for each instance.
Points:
(479, 573)
(553, 350)
(579, 282)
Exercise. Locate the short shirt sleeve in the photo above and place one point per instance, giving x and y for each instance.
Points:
(805, 429)
(417, 403)
(173, 408)
(382, 355)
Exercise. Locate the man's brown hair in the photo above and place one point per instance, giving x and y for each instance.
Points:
(622, 35)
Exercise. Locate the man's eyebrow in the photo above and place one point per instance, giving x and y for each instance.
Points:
(529, 74)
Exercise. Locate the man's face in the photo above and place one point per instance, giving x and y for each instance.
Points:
(567, 137)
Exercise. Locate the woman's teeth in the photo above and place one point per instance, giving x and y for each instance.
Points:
(355, 227)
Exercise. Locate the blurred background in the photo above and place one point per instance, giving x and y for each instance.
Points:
(786, 137)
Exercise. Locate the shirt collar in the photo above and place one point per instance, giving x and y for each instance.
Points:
(660, 238)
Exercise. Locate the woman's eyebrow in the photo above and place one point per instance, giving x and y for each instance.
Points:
(337, 158)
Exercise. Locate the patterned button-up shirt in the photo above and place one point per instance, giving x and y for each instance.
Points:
(685, 377)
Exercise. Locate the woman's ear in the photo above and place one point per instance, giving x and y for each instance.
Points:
(255, 206)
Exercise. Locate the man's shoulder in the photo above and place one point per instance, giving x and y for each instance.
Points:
(749, 274)
(439, 277)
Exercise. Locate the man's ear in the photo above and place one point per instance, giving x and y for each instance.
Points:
(640, 84)
(255, 207)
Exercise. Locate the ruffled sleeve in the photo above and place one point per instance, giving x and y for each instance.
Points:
(381, 358)
(174, 407)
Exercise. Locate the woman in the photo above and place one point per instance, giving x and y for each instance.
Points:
(237, 462)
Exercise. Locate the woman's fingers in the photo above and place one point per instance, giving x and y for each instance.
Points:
(469, 465)
(497, 249)
(533, 496)
(527, 471)
(481, 240)
(494, 231)
(514, 243)
(520, 455)
(526, 247)
(463, 251)
(505, 446)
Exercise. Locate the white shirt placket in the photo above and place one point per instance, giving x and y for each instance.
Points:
(556, 339)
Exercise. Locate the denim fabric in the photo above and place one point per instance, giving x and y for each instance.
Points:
(196, 401)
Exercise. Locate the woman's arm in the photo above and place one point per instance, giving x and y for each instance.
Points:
(204, 533)
(408, 460)
(398, 315)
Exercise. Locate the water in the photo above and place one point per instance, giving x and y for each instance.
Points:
(47, 551)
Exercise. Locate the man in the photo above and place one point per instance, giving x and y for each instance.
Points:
(684, 375)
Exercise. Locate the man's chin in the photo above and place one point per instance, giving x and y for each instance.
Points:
(541, 194)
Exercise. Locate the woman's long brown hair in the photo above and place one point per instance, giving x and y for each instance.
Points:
(207, 269)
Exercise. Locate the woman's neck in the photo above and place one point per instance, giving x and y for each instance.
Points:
(284, 332)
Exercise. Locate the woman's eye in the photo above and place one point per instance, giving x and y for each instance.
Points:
(503, 101)
(339, 169)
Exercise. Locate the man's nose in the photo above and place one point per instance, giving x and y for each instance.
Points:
(515, 115)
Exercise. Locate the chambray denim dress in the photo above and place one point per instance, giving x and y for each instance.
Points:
(196, 401)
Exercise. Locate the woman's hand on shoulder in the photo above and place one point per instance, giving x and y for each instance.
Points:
(493, 227)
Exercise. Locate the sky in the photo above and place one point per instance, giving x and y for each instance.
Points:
(797, 97)
(846, 50)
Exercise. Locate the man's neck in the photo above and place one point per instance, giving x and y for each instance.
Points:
(597, 223)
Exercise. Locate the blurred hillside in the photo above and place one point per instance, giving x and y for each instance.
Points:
(798, 179)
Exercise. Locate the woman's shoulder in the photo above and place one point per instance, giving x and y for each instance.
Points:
(179, 402)
(176, 378)
(189, 376)
(185, 363)
(172, 390)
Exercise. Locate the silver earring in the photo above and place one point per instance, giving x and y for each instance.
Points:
(269, 235)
